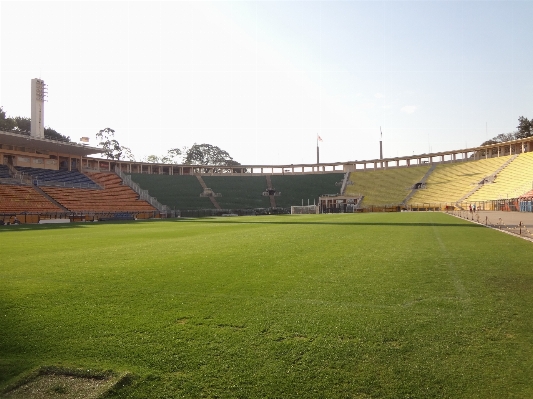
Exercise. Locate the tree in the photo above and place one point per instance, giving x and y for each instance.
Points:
(207, 154)
(22, 124)
(112, 148)
(6, 124)
(524, 128)
(489, 142)
(172, 156)
(51, 134)
(500, 138)
(152, 159)
(128, 154)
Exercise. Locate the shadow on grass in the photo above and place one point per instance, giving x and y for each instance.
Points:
(63, 226)
(277, 220)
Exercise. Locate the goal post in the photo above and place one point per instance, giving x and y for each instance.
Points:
(304, 210)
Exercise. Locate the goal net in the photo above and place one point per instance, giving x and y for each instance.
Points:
(304, 210)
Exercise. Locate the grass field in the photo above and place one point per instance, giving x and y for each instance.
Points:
(404, 305)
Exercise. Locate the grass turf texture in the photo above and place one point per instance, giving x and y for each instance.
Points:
(406, 305)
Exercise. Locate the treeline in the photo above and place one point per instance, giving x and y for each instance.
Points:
(524, 130)
(22, 125)
(198, 154)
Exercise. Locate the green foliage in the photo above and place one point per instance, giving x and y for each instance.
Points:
(50, 133)
(6, 124)
(525, 129)
(152, 159)
(207, 154)
(171, 157)
(23, 125)
(363, 305)
(112, 148)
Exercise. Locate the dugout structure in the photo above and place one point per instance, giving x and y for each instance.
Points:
(339, 203)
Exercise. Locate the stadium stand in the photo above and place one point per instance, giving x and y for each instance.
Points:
(513, 181)
(115, 197)
(297, 188)
(449, 183)
(4, 172)
(385, 186)
(183, 192)
(63, 178)
(239, 192)
(19, 198)
(529, 194)
(175, 191)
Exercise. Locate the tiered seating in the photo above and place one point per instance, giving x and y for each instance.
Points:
(4, 172)
(528, 195)
(24, 199)
(115, 197)
(239, 192)
(448, 183)
(177, 192)
(57, 177)
(511, 182)
(385, 186)
(295, 188)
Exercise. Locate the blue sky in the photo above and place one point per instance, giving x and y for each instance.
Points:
(261, 79)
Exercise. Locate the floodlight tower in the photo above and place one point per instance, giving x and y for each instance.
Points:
(38, 95)
(381, 145)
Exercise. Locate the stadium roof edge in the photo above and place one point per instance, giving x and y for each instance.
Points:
(42, 144)
(376, 160)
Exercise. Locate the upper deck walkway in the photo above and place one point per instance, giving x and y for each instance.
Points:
(462, 155)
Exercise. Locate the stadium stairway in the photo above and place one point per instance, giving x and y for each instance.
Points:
(53, 201)
(451, 181)
(269, 187)
(488, 178)
(24, 198)
(114, 197)
(422, 182)
(176, 191)
(511, 182)
(387, 186)
(211, 198)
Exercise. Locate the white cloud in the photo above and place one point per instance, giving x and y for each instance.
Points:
(409, 109)
(379, 95)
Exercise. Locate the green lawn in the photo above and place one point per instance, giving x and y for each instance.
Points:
(405, 305)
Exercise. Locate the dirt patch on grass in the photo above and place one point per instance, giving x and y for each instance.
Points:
(67, 384)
